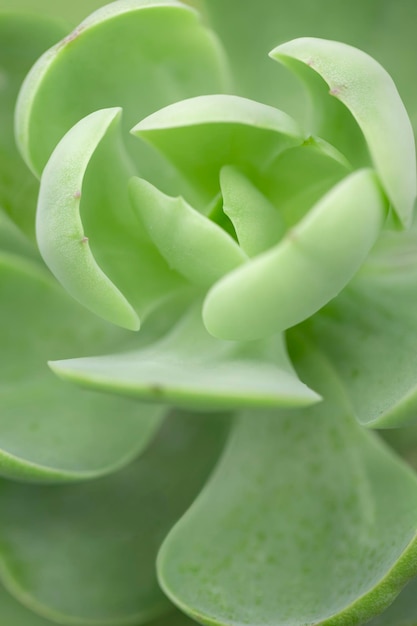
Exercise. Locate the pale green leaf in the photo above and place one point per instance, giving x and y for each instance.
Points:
(369, 332)
(86, 553)
(308, 519)
(309, 267)
(257, 222)
(188, 367)
(50, 431)
(86, 180)
(154, 52)
(200, 135)
(369, 93)
(22, 39)
(191, 244)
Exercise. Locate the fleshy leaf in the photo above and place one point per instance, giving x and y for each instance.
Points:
(86, 553)
(22, 39)
(367, 90)
(309, 267)
(163, 54)
(88, 173)
(403, 611)
(257, 222)
(13, 613)
(191, 244)
(50, 431)
(189, 367)
(369, 333)
(307, 519)
(200, 135)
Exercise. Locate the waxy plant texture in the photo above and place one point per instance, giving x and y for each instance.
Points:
(208, 374)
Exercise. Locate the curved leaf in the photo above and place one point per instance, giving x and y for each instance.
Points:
(190, 368)
(257, 222)
(369, 333)
(15, 614)
(308, 519)
(191, 244)
(88, 173)
(50, 431)
(309, 267)
(200, 135)
(22, 39)
(162, 54)
(86, 553)
(367, 90)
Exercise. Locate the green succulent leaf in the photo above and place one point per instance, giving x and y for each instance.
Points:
(189, 367)
(191, 244)
(369, 333)
(22, 40)
(200, 135)
(50, 431)
(369, 93)
(85, 554)
(154, 52)
(307, 519)
(257, 222)
(402, 612)
(88, 173)
(291, 281)
(14, 613)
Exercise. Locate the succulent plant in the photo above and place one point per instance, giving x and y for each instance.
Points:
(209, 329)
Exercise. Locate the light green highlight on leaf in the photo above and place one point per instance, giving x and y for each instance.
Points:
(309, 267)
(190, 368)
(50, 431)
(162, 54)
(369, 333)
(191, 244)
(86, 553)
(22, 39)
(298, 178)
(257, 222)
(60, 233)
(307, 519)
(369, 93)
(200, 135)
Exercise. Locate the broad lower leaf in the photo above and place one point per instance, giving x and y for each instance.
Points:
(49, 430)
(192, 245)
(200, 135)
(306, 269)
(189, 367)
(369, 332)
(87, 232)
(307, 519)
(86, 553)
(369, 93)
(163, 53)
(13, 613)
(22, 39)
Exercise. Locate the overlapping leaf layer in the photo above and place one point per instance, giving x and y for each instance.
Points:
(221, 316)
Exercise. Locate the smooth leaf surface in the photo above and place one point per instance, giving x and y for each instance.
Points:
(367, 90)
(369, 334)
(189, 367)
(162, 54)
(191, 244)
(84, 191)
(49, 430)
(308, 519)
(294, 279)
(200, 135)
(22, 40)
(86, 553)
(257, 222)
(13, 613)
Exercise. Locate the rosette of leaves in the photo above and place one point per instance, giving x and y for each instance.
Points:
(225, 459)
